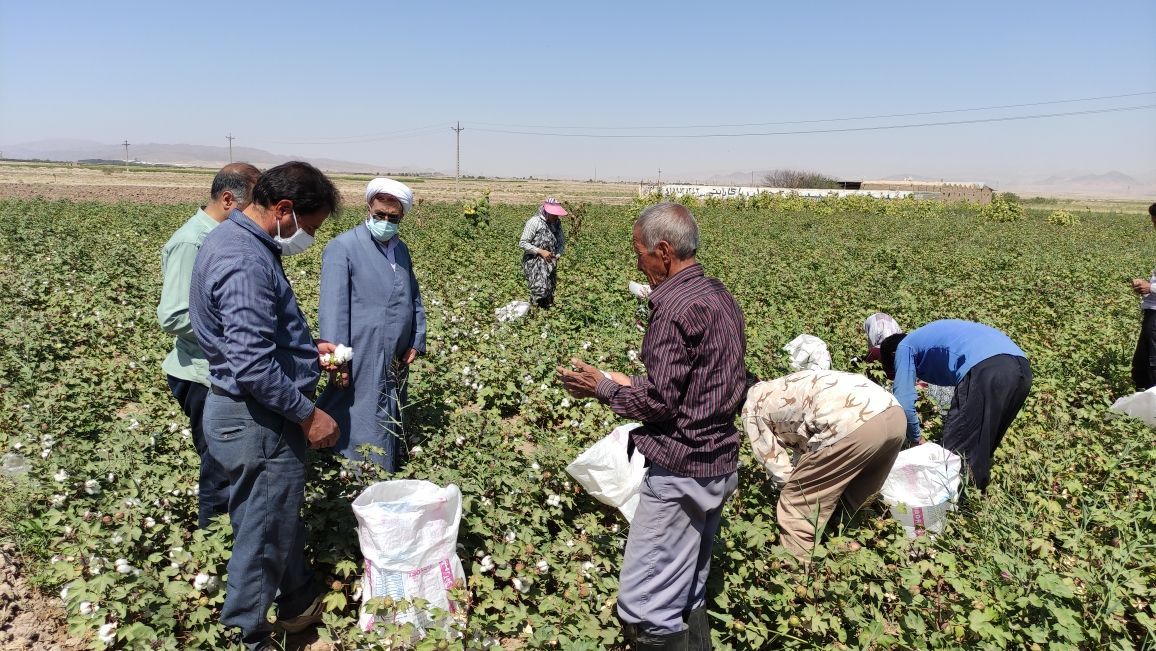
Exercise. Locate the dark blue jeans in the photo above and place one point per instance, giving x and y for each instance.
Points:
(213, 485)
(264, 457)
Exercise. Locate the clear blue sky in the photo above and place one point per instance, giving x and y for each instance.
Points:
(281, 74)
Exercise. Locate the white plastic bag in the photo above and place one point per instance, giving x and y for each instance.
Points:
(608, 475)
(1140, 405)
(639, 290)
(408, 530)
(512, 311)
(808, 353)
(922, 487)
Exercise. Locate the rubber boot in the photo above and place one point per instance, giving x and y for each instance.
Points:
(698, 626)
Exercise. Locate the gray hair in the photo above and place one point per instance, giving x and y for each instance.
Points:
(670, 222)
(238, 178)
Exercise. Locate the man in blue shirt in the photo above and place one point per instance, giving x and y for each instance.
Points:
(259, 416)
(991, 376)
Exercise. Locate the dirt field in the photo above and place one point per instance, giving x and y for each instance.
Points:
(190, 186)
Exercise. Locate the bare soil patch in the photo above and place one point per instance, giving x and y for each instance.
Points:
(113, 184)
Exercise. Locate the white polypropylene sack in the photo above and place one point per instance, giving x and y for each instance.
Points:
(808, 353)
(512, 311)
(408, 531)
(1140, 405)
(607, 474)
(922, 487)
(639, 290)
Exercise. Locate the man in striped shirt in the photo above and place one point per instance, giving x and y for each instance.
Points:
(694, 385)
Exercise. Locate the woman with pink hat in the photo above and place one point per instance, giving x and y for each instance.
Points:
(542, 244)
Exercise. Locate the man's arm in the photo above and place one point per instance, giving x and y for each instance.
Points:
(905, 388)
(419, 324)
(173, 309)
(333, 314)
(653, 397)
(764, 407)
(247, 300)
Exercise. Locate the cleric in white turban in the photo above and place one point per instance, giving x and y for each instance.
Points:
(370, 301)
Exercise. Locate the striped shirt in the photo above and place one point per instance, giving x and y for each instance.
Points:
(695, 380)
(246, 317)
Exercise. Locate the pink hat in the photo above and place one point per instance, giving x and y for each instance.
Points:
(552, 206)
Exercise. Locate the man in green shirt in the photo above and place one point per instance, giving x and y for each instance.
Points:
(186, 367)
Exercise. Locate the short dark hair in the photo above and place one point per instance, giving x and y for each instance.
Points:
(238, 178)
(1152, 210)
(306, 186)
(887, 352)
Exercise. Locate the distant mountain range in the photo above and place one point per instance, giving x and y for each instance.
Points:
(188, 155)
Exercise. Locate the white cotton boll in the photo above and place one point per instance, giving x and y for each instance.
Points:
(45, 453)
(586, 567)
(415, 450)
(461, 440)
(614, 528)
(173, 427)
(542, 566)
(454, 348)
(61, 476)
(200, 581)
(57, 500)
(535, 466)
(511, 536)
(487, 563)
(87, 608)
(465, 370)
(553, 500)
(122, 566)
(47, 441)
(134, 425)
(149, 523)
(111, 478)
(107, 633)
(92, 487)
(117, 539)
(186, 433)
(520, 585)
(586, 345)
(565, 403)
(632, 355)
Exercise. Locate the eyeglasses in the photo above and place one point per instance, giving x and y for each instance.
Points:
(381, 215)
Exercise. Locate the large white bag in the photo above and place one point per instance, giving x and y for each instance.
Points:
(512, 311)
(608, 474)
(808, 353)
(1140, 405)
(922, 487)
(408, 530)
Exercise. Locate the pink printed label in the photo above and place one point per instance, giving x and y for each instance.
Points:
(447, 573)
(917, 514)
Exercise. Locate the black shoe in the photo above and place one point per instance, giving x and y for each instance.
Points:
(698, 625)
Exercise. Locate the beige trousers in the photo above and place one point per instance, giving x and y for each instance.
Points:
(852, 470)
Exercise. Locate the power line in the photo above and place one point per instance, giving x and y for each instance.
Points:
(230, 139)
(821, 120)
(815, 131)
(387, 135)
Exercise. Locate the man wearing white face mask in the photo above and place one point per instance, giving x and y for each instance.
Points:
(259, 416)
(370, 301)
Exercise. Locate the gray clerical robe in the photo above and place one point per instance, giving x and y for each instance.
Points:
(376, 310)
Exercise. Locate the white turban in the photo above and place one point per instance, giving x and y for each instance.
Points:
(878, 327)
(395, 189)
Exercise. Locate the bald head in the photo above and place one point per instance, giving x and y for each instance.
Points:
(237, 178)
(668, 222)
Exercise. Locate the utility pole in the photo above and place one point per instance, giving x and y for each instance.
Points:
(125, 143)
(230, 139)
(458, 137)
(660, 179)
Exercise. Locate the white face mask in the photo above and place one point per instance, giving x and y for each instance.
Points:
(295, 243)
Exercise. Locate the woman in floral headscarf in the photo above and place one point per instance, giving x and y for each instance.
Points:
(542, 243)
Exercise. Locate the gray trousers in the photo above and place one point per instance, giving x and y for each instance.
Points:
(668, 551)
